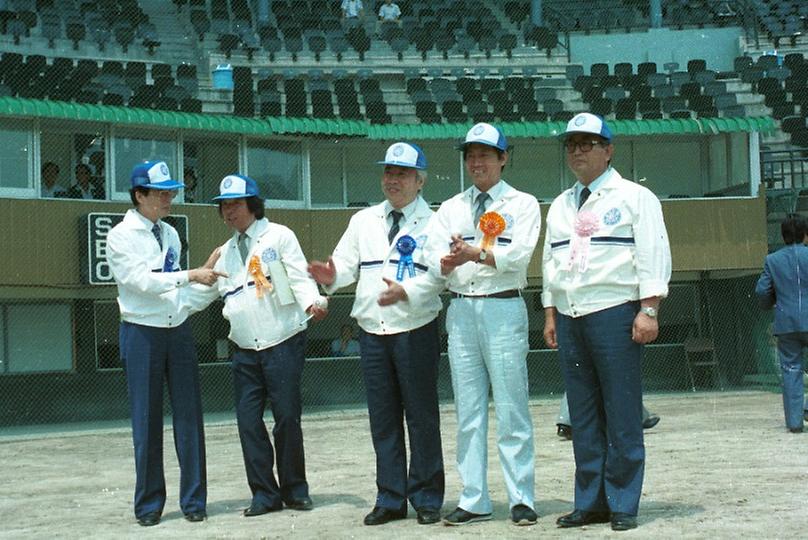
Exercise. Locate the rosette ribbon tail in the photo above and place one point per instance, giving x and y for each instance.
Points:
(262, 284)
(492, 225)
(405, 246)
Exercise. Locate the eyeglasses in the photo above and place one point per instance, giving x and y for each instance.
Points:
(164, 193)
(585, 146)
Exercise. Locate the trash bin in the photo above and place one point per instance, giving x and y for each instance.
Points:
(223, 77)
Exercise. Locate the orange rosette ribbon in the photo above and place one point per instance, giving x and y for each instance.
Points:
(492, 225)
(262, 284)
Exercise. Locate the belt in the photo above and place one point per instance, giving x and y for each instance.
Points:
(513, 293)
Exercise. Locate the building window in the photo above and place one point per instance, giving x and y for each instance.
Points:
(72, 161)
(37, 338)
(16, 159)
(129, 150)
(277, 167)
(205, 162)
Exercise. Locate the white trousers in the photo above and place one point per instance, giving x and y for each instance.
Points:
(488, 345)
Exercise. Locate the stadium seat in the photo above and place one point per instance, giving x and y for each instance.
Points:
(625, 109)
(322, 104)
(601, 106)
(646, 68)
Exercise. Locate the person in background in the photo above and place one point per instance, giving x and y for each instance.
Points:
(157, 345)
(190, 192)
(346, 344)
(783, 286)
(606, 267)
(564, 428)
(83, 188)
(352, 11)
(50, 181)
(389, 14)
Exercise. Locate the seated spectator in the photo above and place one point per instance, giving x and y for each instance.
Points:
(84, 187)
(389, 14)
(50, 181)
(346, 344)
(191, 185)
(352, 11)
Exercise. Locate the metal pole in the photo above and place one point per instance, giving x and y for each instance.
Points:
(535, 13)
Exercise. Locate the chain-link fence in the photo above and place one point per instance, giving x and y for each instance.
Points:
(63, 365)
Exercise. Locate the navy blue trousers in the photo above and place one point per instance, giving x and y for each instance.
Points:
(602, 372)
(271, 376)
(151, 356)
(790, 350)
(401, 374)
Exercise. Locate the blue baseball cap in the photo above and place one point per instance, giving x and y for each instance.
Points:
(588, 123)
(404, 154)
(487, 134)
(154, 175)
(236, 186)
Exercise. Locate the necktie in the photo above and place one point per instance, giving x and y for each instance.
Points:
(482, 198)
(585, 193)
(396, 215)
(242, 246)
(156, 232)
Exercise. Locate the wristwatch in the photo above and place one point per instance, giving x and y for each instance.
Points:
(483, 256)
(648, 310)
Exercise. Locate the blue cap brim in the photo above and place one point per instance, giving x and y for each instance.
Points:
(171, 184)
(233, 196)
(406, 165)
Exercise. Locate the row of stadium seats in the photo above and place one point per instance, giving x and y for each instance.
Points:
(98, 22)
(111, 83)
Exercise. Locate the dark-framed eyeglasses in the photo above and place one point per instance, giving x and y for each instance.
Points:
(585, 146)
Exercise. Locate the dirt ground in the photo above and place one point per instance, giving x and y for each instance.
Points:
(719, 465)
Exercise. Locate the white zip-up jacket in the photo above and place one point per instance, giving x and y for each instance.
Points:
(628, 257)
(151, 286)
(512, 249)
(364, 255)
(259, 323)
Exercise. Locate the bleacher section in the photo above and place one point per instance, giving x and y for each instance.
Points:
(301, 60)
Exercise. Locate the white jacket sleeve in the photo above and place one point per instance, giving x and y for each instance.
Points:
(346, 257)
(303, 286)
(653, 253)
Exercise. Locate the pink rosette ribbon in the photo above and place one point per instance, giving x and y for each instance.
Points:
(586, 224)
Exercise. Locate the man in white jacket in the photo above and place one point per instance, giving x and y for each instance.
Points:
(399, 345)
(156, 343)
(268, 299)
(482, 239)
(606, 266)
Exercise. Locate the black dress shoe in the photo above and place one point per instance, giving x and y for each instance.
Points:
(380, 516)
(522, 514)
(303, 504)
(464, 517)
(564, 431)
(257, 509)
(579, 518)
(428, 515)
(196, 516)
(623, 522)
(149, 520)
(650, 422)
(795, 429)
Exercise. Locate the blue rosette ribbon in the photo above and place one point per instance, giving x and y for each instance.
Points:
(405, 246)
(171, 258)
